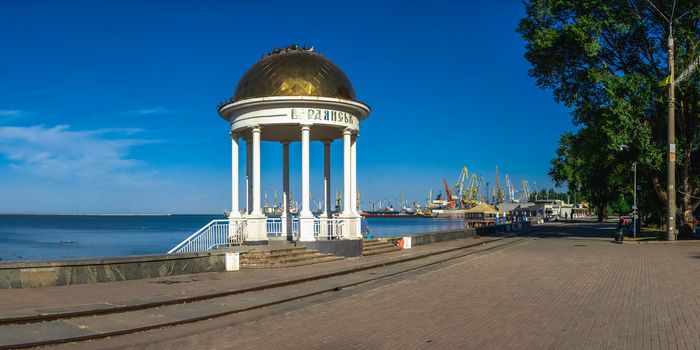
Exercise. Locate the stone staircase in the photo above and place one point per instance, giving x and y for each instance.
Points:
(286, 257)
(377, 246)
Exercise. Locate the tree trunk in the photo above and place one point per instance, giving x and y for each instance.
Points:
(660, 191)
(602, 211)
(689, 127)
(687, 199)
(686, 230)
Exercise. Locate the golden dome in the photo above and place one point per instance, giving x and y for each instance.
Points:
(294, 71)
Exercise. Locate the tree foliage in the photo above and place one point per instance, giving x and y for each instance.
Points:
(603, 59)
(550, 194)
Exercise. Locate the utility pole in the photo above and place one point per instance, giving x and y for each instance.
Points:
(671, 169)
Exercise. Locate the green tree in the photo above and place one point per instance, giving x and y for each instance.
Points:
(581, 163)
(621, 205)
(603, 59)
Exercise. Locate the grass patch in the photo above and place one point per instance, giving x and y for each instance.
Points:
(646, 234)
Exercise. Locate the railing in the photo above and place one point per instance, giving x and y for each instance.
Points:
(213, 235)
(274, 227)
(329, 228)
(219, 233)
(295, 228)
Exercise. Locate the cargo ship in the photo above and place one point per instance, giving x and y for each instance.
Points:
(387, 214)
(405, 212)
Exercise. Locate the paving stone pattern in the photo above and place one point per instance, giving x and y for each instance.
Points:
(574, 290)
(50, 300)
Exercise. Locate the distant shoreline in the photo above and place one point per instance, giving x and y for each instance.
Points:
(60, 214)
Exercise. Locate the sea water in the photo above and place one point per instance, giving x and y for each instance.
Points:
(44, 237)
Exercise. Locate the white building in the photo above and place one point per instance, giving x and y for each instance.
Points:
(550, 209)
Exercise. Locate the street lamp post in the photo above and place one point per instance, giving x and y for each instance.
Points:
(634, 194)
(634, 205)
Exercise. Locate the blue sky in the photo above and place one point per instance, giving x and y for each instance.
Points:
(109, 107)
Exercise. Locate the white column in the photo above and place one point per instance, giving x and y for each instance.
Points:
(234, 177)
(305, 206)
(248, 175)
(353, 174)
(306, 218)
(286, 218)
(327, 179)
(256, 172)
(353, 188)
(347, 173)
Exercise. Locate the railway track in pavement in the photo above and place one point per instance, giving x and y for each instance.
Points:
(81, 325)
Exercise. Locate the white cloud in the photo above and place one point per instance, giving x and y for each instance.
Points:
(61, 153)
(153, 110)
(8, 116)
(9, 113)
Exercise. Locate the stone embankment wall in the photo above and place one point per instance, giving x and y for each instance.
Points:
(435, 237)
(502, 228)
(442, 236)
(30, 274)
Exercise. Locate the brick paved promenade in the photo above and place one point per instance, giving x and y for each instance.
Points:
(569, 290)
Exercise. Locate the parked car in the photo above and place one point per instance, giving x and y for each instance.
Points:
(551, 218)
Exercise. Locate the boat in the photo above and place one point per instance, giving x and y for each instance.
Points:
(390, 212)
(384, 214)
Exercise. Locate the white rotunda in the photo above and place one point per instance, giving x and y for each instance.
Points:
(295, 95)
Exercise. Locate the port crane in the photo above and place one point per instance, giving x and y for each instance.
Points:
(480, 188)
(510, 191)
(466, 192)
(473, 194)
(450, 200)
(488, 199)
(469, 190)
(497, 190)
(458, 188)
(338, 200)
(524, 191)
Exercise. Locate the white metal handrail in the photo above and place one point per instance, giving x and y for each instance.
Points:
(218, 233)
(274, 227)
(213, 235)
(317, 228)
(329, 228)
(295, 228)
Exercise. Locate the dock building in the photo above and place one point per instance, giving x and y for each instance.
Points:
(481, 215)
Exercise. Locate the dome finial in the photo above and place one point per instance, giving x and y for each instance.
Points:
(290, 48)
(294, 71)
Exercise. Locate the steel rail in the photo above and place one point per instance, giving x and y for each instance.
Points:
(185, 300)
(190, 299)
